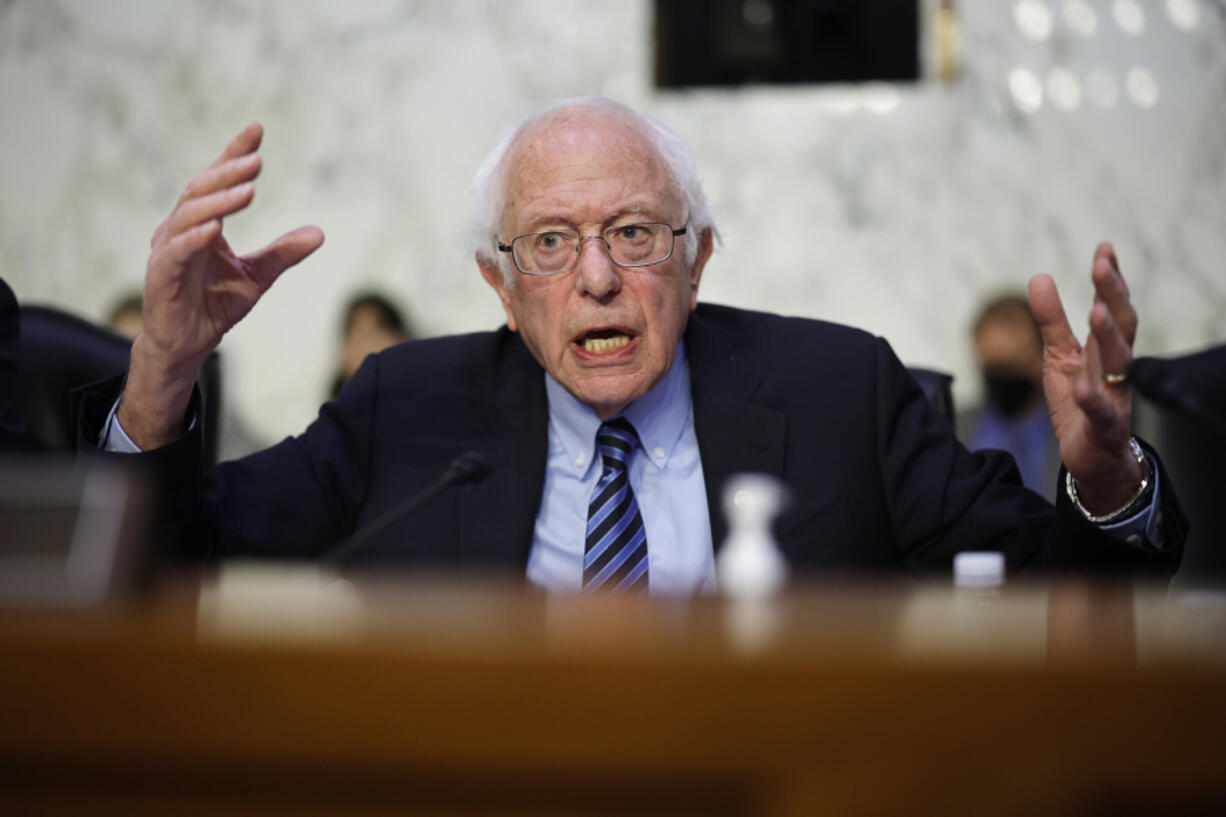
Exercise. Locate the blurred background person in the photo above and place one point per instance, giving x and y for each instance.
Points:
(371, 324)
(1013, 417)
(125, 315)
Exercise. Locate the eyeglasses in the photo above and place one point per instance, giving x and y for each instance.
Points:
(630, 245)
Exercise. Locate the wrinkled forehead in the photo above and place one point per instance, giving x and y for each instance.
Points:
(575, 146)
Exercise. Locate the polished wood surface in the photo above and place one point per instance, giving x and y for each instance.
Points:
(282, 692)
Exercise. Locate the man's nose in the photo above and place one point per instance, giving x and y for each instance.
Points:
(597, 275)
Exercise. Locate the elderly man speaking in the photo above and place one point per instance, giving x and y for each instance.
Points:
(613, 405)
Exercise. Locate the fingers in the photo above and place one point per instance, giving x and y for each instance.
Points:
(1099, 407)
(219, 177)
(247, 141)
(1049, 314)
(230, 174)
(206, 208)
(1106, 252)
(1109, 349)
(1114, 350)
(180, 248)
(268, 263)
(1110, 289)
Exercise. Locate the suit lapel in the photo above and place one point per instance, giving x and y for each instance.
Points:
(498, 514)
(735, 435)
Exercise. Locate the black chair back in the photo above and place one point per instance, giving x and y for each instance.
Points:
(12, 431)
(59, 352)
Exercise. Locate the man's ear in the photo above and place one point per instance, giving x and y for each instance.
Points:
(705, 245)
(493, 276)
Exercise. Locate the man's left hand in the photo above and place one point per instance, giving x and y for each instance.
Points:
(1091, 415)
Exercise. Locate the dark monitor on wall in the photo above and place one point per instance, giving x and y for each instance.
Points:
(736, 42)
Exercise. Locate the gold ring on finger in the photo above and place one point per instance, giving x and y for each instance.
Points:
(1114, 379)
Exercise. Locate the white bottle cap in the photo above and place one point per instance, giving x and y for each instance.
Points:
(979, 568)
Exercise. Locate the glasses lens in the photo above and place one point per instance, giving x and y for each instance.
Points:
(638, 245)
(550, 251)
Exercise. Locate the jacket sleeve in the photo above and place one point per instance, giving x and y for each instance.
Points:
(172, 471)
(292, 500)
(944, 499)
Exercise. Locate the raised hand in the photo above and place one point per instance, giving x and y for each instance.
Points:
(1090, 405)
(197, 288)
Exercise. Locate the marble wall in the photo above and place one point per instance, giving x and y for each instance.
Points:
(896, 208)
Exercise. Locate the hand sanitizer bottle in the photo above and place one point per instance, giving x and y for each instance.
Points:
(750, 564)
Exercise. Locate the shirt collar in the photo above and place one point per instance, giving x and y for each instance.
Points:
(659, 417)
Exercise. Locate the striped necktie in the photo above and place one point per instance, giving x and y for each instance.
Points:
(615, 555)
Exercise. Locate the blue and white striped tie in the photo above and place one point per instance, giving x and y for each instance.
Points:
(615, 556)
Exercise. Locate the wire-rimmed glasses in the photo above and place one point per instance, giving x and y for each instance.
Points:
(550, 252)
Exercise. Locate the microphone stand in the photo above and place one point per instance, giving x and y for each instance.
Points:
(470, 466)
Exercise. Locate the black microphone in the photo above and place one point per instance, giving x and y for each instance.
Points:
(471, 466)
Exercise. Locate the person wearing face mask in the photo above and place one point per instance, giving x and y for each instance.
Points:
(1013, 418)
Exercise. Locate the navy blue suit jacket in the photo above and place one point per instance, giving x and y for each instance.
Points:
(877, 478)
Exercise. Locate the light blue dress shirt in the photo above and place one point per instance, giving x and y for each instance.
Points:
(665, 474)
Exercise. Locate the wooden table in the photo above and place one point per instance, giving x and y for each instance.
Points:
(286, 693)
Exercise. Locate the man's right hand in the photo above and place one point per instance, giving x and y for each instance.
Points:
(196, 289)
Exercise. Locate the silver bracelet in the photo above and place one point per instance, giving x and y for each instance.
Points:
(1147, 471)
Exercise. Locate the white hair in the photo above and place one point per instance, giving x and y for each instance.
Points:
(490, 180)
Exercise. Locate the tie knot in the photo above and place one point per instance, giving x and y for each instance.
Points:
(616, 440)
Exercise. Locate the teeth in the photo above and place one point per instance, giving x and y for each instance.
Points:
(598, 345)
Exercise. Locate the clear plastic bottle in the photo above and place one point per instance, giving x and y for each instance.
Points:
(979, 574)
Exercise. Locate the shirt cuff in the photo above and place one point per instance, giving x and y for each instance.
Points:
(1142, 530)
(116, 440)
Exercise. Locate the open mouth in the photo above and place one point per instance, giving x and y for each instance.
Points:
(603, 341)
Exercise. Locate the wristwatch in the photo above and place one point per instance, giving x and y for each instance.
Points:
(1139, 500)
